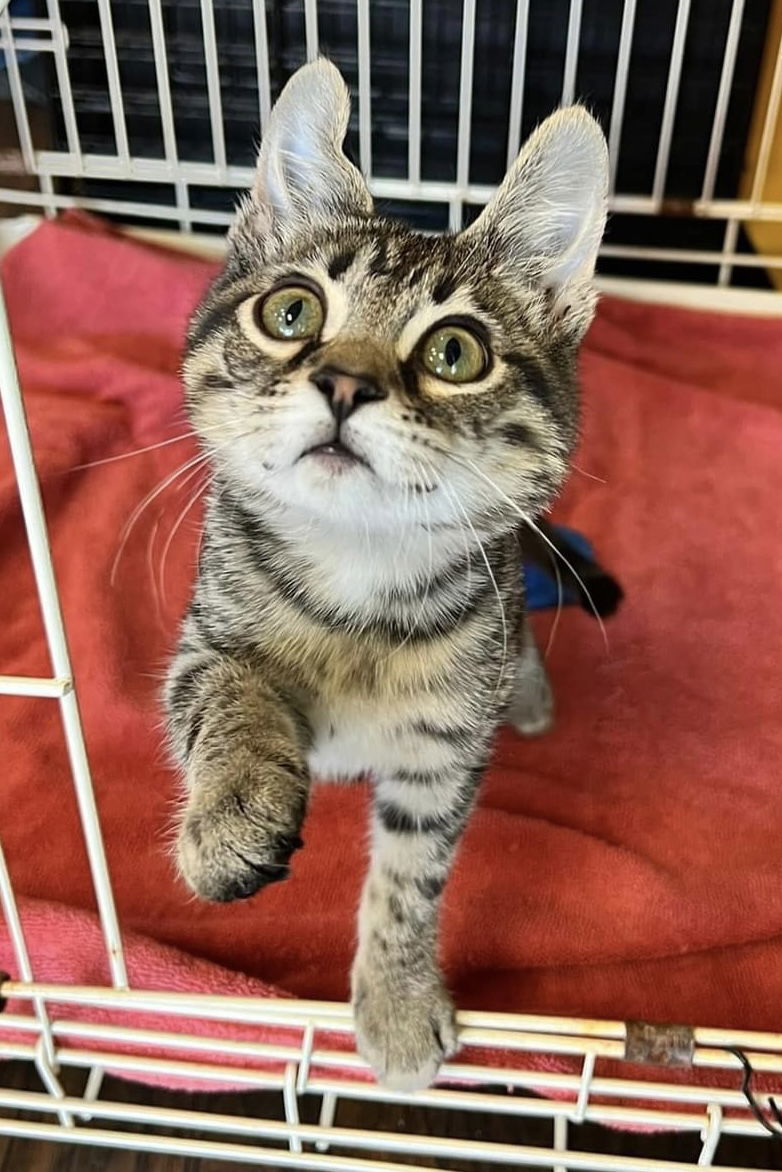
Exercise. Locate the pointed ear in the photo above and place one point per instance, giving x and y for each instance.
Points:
(303, 174)
(545, 222)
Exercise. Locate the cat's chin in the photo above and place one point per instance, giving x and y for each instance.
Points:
(331, 480)
(344, 495)
(334, 458)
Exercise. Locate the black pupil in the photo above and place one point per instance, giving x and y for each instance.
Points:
(293, 311)
(453, 351)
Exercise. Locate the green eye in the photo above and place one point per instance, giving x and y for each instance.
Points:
(454, 354)
(291, 313)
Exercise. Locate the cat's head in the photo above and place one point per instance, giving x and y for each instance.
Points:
(349, 369)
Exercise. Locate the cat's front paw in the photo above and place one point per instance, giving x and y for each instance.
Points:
(238, 836)
(404, 1028)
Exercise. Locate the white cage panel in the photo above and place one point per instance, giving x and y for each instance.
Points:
(149, 111)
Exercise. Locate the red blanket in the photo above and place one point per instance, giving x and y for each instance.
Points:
(628, 865)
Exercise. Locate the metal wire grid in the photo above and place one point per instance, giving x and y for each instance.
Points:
(306, 1069)
(47, 1036)
(48, 35)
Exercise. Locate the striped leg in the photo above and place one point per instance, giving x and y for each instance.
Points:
(404, 1016)
(241, 750)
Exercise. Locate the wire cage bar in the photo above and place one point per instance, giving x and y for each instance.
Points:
(695, 133)
(571, 1072)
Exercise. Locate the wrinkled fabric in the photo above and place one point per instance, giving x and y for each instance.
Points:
(627, 866)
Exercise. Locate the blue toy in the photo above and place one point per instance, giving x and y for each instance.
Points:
(542, 588)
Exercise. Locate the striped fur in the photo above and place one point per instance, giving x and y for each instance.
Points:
(365, 616)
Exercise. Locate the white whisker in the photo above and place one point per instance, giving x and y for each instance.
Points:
(174, 439)
(200, 490)
(558, 615)
(469, 464)
(150, 568)
(575, 574)
(127, 528)
(451, 494)
(425, 598)
(500, 603)
(589, 475)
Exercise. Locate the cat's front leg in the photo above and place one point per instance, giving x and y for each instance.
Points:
(404, 1016)
(242, 752)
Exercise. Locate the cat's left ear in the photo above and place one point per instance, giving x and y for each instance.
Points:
(303, 174)
(544, 224)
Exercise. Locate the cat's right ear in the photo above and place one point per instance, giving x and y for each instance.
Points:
(303, 175)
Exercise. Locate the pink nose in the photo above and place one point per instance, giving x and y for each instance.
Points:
(346, 392)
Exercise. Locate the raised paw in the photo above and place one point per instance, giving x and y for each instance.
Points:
(404, 1029)
(235, 839)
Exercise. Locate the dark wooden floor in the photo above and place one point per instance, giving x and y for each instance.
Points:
(26, 1156)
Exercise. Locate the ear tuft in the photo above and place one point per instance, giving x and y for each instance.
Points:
(546, 220)
(303, 173)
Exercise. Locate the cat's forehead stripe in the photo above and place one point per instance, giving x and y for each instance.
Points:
(339, 264)
(379, 265)
(444, 289)
(404, 261)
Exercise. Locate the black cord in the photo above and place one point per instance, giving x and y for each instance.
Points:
(746, 1090)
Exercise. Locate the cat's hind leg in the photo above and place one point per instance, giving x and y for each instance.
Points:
(531, 707)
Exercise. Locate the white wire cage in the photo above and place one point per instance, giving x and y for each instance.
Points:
(676, 86)
(611, 1077)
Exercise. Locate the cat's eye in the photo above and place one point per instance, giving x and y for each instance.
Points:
(454, 354)
(293, 314)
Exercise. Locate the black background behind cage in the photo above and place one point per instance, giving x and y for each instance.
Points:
(440, 76)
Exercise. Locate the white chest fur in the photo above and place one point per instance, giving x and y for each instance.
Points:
(356, 738)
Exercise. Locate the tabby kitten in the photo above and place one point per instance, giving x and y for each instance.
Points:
(381, 408)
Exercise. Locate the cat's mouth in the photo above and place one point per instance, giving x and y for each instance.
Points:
(336, 453)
